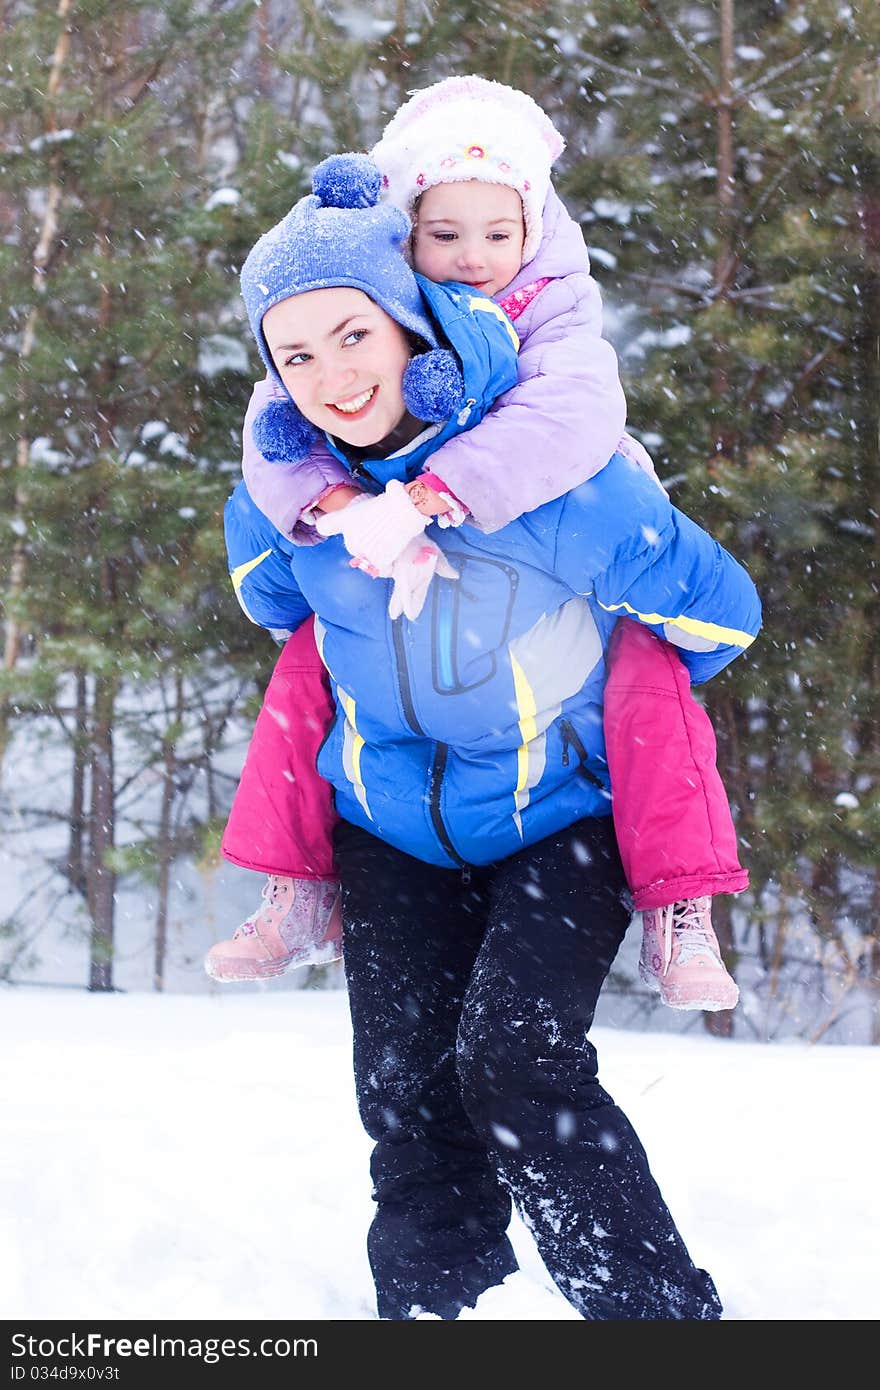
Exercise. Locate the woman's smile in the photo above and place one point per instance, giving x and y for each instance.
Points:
(355, 405)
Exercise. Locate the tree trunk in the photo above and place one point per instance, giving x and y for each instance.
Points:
(866, 87)
(720, 1024)
(12, 635)
(102, 878)
(402, 68)
(729, 722)
(872, 964)
(264, 62)
(723, 227)
(76, 846)
(165, 846)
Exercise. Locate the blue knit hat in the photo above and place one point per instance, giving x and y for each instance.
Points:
(341, 235)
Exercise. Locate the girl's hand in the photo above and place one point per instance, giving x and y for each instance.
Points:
(375, 530)
(425, 499)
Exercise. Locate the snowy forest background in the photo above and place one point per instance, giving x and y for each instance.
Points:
(724, 162)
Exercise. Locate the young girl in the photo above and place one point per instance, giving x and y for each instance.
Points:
(470, 161)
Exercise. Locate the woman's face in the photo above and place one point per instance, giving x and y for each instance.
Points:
(342, 359)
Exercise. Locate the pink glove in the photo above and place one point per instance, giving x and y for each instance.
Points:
(375, 530)
(412, 573)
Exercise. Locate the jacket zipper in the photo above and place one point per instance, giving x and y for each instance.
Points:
(403, 685)
(441, 750)
(359, 470)
(435, 786)
(571, 737)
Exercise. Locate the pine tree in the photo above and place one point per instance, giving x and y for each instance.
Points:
(129, 418)
(729, 203)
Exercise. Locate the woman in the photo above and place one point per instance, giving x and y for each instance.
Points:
(483, 897)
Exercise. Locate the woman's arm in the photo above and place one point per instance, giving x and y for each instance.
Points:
(260, 572)
(621, 540)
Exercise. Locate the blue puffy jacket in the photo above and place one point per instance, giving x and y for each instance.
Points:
(477, 730)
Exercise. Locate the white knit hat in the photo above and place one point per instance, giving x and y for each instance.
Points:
(470, 128)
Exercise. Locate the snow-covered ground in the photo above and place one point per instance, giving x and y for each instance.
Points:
(172, 1156)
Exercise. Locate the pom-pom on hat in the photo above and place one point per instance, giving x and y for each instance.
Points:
(471, 128)
(341, 235)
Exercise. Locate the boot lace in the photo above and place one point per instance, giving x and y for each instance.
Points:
(249, 925)
(686, 925)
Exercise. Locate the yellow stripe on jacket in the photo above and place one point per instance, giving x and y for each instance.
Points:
(352, 747)
(239, 575)
(488, 306)
(712, 632)
(527, 710)
(241, 572)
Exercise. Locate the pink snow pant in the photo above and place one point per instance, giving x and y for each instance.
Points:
(282, 817)
(671, 815)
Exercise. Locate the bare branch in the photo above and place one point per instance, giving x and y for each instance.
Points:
(810, 370)
(780, 68)
(778, 93)
(688, 291)
(652, 9)
(658, 83)
(144, 87)
(755, 291)
(752, 217)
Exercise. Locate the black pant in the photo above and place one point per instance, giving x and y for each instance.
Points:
(471, 995)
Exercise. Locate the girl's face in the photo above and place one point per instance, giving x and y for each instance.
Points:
(472, 232)
(342, 359)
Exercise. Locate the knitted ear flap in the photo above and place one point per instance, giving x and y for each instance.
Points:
(282, 434)
(433, 386)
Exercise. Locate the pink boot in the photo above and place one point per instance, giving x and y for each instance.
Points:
(300, 923)
(681, 958)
